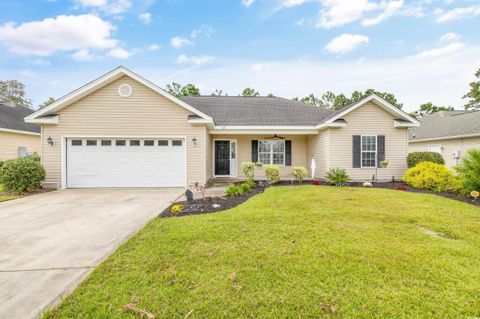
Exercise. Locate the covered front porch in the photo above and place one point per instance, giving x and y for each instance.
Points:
(228, 152)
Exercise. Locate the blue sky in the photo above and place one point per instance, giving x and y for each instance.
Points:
(426, 50)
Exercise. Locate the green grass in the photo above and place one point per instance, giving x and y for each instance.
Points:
(4, 197)
(297, 252)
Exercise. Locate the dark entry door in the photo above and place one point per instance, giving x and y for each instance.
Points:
(222, 157)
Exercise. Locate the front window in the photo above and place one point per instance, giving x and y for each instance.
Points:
(369, 150)
(271, 152)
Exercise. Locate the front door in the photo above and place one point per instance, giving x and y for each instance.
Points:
(222, 158)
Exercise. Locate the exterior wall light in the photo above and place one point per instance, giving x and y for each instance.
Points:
(194, 141)
(50, 141)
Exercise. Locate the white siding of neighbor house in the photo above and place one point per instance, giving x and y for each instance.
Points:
(10, 143)
(105, 113)
(448, 147)
(368, 119)
(244, 153)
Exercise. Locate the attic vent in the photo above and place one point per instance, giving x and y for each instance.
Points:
(125, 90)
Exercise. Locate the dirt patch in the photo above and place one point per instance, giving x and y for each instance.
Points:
(433, 233)
(211, 204)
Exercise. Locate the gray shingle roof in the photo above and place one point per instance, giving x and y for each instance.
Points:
(240, 110)
(11, 118)
(446, 124)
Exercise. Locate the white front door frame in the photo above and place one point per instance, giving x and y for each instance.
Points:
(234, 172)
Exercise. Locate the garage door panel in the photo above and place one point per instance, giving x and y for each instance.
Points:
(125, 166)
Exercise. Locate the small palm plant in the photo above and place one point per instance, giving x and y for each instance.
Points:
(469, 171)
(337, 176)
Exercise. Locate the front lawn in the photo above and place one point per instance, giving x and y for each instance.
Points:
(4, 197)
(296, 252)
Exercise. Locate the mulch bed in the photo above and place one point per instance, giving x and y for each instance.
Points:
(206, 206)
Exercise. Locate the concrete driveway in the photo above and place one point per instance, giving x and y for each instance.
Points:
(51, 241)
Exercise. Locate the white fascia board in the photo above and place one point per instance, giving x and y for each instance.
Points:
(382, 103)
(45, 121)
(261, 130)
(18, 132)
(330, 125)
(400, 124)
(200, 121)
(443, 138)
(104, 80)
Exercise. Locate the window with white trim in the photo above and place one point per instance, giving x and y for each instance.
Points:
(271, 152)
(369, 150)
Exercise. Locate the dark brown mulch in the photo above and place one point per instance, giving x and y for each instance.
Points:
(204, 206)
(201, 206)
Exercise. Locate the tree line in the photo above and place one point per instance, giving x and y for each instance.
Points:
(13, 90)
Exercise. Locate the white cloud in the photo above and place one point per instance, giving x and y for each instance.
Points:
(390, 9)
(178, 42)
(345, 43)
(27, 72)
(197, 60)
(154, 47)
(439, 52)
(458, 13)
(259, 67)
(63, 33)
(292, 3)
(119, 53)
(39, 62)
(203, 30)
(83, 55)
(145, 17)
(247, 3)
(340, 12)
(113, 7)
(449, 37)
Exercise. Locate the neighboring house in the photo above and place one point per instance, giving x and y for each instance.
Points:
(121, 130)
(17, 138)
(450, 133)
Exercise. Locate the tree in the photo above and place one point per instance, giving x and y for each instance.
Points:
(217, 92)
(178, 90)
(474, 94)
(250, 92)
(270, 95)
(14, 91)
(309, 99)
(430, 108)
(47, 102)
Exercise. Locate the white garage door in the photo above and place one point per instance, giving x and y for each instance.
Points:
(106, 162)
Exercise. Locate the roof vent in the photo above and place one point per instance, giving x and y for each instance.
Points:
(125, 90)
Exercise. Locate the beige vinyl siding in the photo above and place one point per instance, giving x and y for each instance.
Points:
(209, 156)
(368, 119)
(318, 148)
(449, 146)
(244, 153)
(10, 142)
(144, 113)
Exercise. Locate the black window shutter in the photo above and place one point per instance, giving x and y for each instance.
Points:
(380, 149)
(356, 151)
(288, 153)
(254, 151)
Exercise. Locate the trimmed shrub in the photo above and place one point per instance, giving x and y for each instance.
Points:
(21, 175)
(431, 176)
(367, 184)
(35, 157)
(469, 171)
(246, 187)
(316, 182)
(337, 176)
(234, 190)
(248, 169)
(418, 157)
(299, 173)
(273, 173)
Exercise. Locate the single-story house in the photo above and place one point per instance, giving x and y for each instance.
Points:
(120, 130)
(17, 138)
(450, 133)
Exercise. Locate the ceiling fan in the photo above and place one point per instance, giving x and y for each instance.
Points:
(275, 137)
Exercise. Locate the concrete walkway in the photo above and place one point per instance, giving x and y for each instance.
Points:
(50, 242)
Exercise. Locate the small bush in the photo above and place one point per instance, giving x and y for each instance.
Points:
(35, 157)
(250, 183)
(234, 190)
(316, 182)
(469, 171)
(337, 176)
(432, 176)
(419, 157)
(248, 169)
(21, 175)
(1, 164)
(246, 187)
(367, 184)
(273, 173)
(299, 173)
(402, 188)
